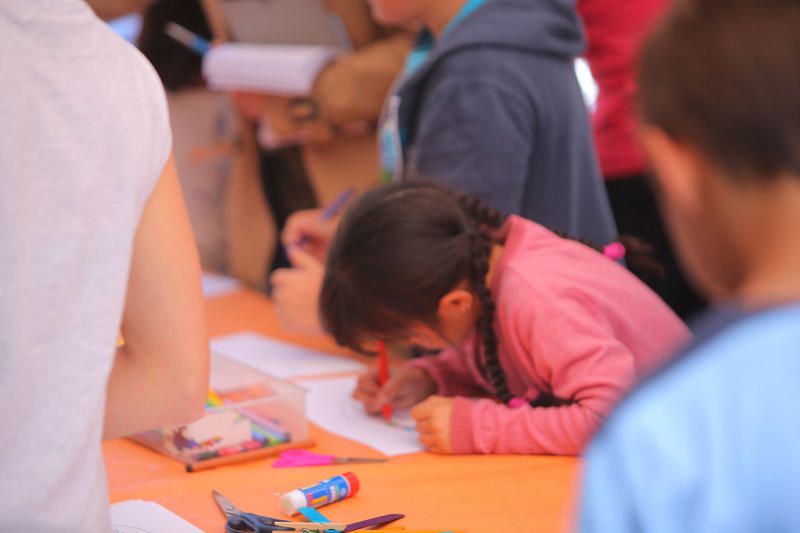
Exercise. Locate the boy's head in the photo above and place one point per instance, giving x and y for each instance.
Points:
(719, 90)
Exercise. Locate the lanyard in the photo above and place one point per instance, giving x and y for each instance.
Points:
(426, 41)
(391, 137)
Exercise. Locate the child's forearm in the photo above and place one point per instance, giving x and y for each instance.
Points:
(484, 426)
(450, 373)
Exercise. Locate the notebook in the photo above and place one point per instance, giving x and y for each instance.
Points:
(284, 70)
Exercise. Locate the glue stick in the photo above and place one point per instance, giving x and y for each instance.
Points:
(320, 494)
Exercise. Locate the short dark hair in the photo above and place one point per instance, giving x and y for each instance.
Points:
(724, 76)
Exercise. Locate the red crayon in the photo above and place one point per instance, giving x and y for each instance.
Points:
(383, 376)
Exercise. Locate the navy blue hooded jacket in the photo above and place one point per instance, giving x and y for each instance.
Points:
(496, 110)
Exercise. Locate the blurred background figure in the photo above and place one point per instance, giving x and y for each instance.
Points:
(250, 161)
(327, 143)
(214, 150)
(615, 30)
(711, 442)
(115, 9)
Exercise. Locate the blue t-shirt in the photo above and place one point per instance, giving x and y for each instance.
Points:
(711, 444)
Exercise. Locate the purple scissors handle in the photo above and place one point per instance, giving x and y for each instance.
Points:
(374, 523)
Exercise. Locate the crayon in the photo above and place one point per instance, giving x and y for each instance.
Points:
(383, 375)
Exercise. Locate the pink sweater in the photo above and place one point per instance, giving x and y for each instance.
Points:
(572, 324)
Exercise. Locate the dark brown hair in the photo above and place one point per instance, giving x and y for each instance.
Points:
(177, 66)
(724, 76)
(396, 253)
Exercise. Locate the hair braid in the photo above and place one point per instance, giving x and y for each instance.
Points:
(480, 212)
(487, 221)
(480, 250)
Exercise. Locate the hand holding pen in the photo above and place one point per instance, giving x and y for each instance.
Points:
(295, 291)
(313, 229)
(406, 387)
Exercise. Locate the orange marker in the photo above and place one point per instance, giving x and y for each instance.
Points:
(383, 376)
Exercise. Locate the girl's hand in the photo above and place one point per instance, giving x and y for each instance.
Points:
(307, 229)
(295, 292)
(433, 423)
(406, 387)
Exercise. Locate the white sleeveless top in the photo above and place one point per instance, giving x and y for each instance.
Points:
(85, 137)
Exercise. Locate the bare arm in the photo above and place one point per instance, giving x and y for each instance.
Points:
(112, 9)
(160, 376)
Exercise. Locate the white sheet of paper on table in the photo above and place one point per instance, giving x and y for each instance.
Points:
(139, 516)
(331, 407)
(281, 359)
(219, 285)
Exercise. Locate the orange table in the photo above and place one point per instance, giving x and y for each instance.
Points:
(476, 494)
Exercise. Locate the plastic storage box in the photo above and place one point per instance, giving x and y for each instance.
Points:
(248, 414)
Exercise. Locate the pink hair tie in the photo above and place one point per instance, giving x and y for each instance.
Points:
(516, 403)
(614, 251)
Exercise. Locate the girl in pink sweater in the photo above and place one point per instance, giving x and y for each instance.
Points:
(539, 335)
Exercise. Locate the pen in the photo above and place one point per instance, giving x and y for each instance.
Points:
(335, 206)
(190, 40)
(333, 209)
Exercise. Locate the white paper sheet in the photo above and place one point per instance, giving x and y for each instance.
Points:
(331, 407)
(219, 285)
(288, 70)
(281, 359)
(139, 516)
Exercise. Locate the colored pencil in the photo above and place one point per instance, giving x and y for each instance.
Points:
(383, 376)
(333, 209)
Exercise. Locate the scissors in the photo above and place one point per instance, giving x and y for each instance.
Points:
(296, 458)
(371, 523)
(241, 522)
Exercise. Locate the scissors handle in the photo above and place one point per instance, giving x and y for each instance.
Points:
(252, 523)
(374, 523)
(294, 458)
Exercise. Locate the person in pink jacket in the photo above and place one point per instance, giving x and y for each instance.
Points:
(539, 335)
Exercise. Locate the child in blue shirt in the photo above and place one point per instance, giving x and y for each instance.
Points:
(711, 443)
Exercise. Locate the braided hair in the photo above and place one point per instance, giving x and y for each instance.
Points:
(481, 241)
